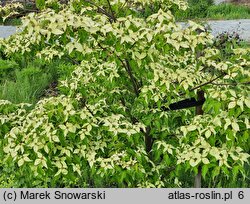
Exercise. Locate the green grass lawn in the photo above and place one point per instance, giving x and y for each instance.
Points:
(228, 11)
(26, 82)
(204, 9)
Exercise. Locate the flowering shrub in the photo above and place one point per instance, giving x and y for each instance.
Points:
(10, 10)
(113, 125)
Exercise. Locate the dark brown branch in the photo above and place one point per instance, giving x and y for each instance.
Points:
(148, 140)
(192, 102)
(111, 10)
(124, 4)
(31, 10)
(132, 78)
(23, 13)
(230, 84)
(132, 118)
(101, 10)
(127, 68)
(199, 111)
(240, 114)
(208, 82)
(201, 97)
(75, 62)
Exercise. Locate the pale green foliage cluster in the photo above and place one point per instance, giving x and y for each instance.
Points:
(129, 70)
(10, 10)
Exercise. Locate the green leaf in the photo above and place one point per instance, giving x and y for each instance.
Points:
(191, 128)
(235, 171)
(215, 172)
(205, 161)
(193, 162)
(208, 133)
(37, 161)
(217, 121)
(55, 138)
(204, 171)
(20, 162)
(235, 126)
(140, 56)
(127, 23)
(247, 102)
(231, 105)
(57, 31)
(40, 4)
(149, 37)
(225, 170)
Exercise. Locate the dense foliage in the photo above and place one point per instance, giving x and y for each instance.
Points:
(112, 125)
(10, 10)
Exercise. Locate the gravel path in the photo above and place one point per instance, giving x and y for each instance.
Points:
(242, 27)
(218, 1)
(6, 31)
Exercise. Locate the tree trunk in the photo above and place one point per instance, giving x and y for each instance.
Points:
(199, 111)
(197, 180)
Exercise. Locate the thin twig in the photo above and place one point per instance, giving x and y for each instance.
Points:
(111, 10)
(100, 9)
(208, 82)
(230, 84)
(132, 78)
(123, 4)
(127, 68)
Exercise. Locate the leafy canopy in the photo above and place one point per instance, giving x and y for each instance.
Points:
(112, 126)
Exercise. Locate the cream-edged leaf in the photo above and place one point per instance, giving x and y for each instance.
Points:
(20, 162)
(231, 105)
(235, 126)
(205, 161)
(57, 31)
